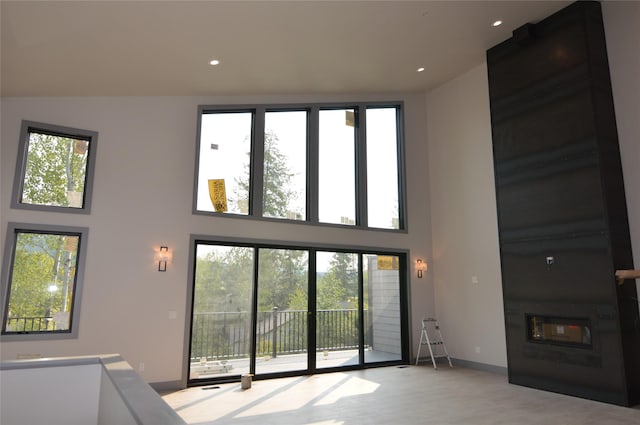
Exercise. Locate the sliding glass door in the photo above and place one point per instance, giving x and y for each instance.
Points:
(222, 305)
(382, 308)
(337, 309)
(281, 331)
(287, 310)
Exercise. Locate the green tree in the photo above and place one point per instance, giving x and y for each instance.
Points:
(55, 171)
(337, 290)
(44, 264)
(331, 293)
(339, 286)
(222, 300)
(282, 276)
(283, 273)
(223, 278)
(42, 278)
(277, 195)
(343, 268)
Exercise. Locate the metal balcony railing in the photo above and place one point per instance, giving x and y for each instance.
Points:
(227, 335)
(30, 324)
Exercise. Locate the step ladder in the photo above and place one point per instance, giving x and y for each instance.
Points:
(431, 327)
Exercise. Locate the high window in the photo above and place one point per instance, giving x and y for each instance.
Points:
(337, 166)
(225, 144)
(41, 280)
(327, 164)
(54, 170)
(285, 165)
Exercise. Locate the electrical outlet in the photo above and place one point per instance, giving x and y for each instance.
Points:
(141, 367)
(28, 356)
(173, 314)
(474, 279)
(477, 349)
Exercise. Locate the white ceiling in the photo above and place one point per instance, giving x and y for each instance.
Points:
(96, 48)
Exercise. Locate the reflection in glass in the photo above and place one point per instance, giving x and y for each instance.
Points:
(559, 330)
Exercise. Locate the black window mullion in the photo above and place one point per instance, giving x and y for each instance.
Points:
(313, 164)
(256, 191)
(405, 320)
(311, 316)
(254, 313)
(402, 201)
(362, 217)
(361, 309)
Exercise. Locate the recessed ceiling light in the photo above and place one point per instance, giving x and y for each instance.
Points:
(420, 69)
(214, 62)
(496, 23)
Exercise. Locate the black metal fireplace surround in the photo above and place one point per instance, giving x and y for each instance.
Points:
(562, 211)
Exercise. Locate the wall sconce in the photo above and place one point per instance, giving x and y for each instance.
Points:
(163, 258)
(421, 266)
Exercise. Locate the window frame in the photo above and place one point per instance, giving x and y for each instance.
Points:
(28, 127)
(259, 144)
(13, 229)
(256, 177)
(313, 248)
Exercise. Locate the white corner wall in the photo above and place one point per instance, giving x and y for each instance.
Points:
(66, 395)
(464, 220)
(622, 25)
(101, 390)
(142, 199)
(463, 213)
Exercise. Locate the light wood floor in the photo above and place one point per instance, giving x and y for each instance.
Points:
(392, 396)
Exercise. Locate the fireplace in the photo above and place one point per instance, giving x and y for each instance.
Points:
(562, 214)
(559, 330)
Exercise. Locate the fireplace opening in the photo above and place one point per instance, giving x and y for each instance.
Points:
(559, 330)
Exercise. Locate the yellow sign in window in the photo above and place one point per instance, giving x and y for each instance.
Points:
(388, 262)
(218, 195)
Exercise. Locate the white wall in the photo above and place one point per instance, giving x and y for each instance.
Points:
(622, 24)
(465, 239)
(102, 390)
(51, 395)
(464, 219)
(142, 199)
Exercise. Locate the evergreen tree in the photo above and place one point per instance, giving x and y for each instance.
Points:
(277, 195)
(343, 268)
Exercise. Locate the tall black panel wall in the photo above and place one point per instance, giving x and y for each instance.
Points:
(562, 211)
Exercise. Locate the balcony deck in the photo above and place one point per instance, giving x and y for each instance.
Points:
(290, 362)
